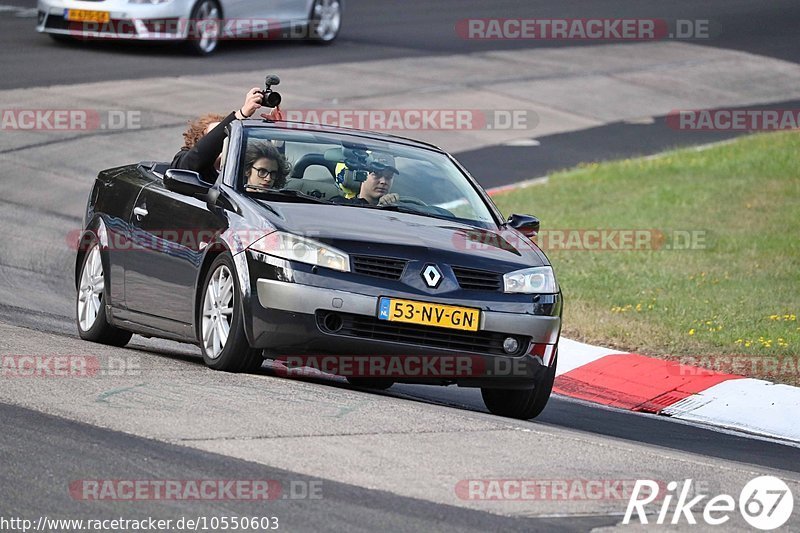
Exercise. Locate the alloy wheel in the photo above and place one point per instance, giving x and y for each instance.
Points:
(207, 26)
(90, 296)
(327, 19)
(217, 311)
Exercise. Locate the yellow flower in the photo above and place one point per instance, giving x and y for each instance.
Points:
(691, 331)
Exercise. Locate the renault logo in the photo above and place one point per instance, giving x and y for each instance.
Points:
(432, 276)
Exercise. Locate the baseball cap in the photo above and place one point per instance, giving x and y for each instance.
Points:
(381, 161)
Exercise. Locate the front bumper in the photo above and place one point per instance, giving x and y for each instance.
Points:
(290, 318)
(147, 22)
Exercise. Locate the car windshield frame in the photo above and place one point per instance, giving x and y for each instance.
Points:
(405, 149)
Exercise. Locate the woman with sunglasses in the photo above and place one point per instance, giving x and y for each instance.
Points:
(264, 167)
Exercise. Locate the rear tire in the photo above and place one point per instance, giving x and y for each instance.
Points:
(90, 301)
(325, 21)
(521, 403)
(221, 324)
(205, 25)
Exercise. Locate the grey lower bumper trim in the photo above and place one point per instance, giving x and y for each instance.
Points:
(298, 298)
(306, 299)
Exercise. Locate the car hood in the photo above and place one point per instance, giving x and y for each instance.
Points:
(372, 231)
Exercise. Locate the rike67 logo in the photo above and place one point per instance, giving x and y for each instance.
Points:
(766, 503)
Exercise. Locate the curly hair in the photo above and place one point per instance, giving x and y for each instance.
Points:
(197, 128)
(263, 149)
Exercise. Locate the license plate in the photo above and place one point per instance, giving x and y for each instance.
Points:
(84, 15)
(438, 315)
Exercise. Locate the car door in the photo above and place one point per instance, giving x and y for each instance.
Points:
(252, 9)
(170, 232)
(296, 11)
(114, 194)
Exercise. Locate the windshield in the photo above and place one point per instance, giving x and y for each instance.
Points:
(280, 165)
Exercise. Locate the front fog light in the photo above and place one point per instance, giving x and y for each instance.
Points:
(510, 345)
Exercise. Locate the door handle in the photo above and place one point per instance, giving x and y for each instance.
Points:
(140, 212)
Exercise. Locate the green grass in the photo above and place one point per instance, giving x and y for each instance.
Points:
(739, 295)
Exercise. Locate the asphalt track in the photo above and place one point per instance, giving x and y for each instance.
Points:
(382, 30)
(42, 453)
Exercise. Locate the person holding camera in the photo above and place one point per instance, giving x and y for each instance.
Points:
(203, 140)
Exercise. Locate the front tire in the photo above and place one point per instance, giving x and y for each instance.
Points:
(221, 324)
(91, 303)
(325, 21)
(521, 403)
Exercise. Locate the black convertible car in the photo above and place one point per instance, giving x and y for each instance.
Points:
(433, 287)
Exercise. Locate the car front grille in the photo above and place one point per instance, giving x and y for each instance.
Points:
(479, 280)
(365, 327)
(89, 29)
(380, 267)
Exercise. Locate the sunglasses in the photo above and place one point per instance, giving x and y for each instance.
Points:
(264, 172)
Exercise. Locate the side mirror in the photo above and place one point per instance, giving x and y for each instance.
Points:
(185, 182)
(526, 224)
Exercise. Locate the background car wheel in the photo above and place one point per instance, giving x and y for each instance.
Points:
(325, 21)
(521, 403)
(90, 302)
(221, 325)
(204, 28)
(371, 383)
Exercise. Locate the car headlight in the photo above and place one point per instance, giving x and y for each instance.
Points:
(531, 281)
(301, 249)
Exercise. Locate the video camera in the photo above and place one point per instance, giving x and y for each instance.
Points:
(270, 98)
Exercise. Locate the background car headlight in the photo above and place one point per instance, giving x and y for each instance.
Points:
(296, 248)
(537, 280)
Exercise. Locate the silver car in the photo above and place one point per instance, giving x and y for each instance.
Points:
(200, 23)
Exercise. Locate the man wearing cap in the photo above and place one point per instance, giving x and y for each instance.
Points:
(375, 189)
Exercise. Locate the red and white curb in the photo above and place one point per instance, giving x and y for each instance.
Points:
(648, 384)
(651, 385)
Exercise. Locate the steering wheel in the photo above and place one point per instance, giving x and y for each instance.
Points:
(411, 200)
